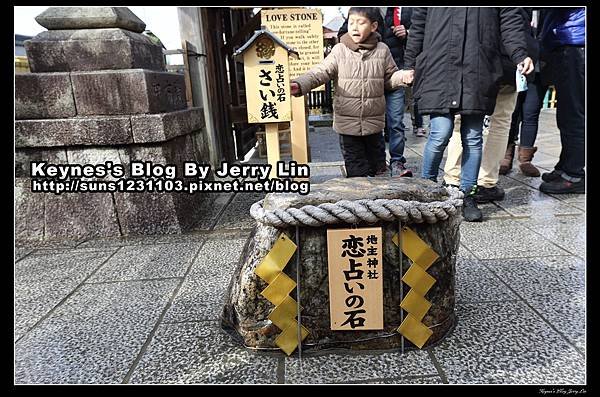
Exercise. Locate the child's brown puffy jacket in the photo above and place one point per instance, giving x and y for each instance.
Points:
(360, 76)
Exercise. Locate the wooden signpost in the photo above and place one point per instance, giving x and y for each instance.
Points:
(302, 29)
(268, 98)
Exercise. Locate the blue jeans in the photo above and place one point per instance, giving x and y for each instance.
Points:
(394, 123)
(441, 126)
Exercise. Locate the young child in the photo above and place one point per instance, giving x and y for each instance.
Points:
(362, 68)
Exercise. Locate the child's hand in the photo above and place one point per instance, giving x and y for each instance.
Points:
(295, 88)
(408, 76)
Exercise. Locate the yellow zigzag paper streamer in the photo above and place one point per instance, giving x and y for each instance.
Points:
(277, 292)
(420, 282)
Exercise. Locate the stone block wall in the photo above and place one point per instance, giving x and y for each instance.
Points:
(98, 92)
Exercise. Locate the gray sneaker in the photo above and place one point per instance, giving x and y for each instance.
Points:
(399, 170)
(420, 132)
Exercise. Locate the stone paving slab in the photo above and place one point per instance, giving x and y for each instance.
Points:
(493, 211)
(200, 352)
(341, 368)
(324, 145)
(210, 212)
(57, 251)
(418, 380)
(237, 213)
(21, 253)
(507, 343)
(148, 262)
(51, 244)
(531, 276)
(568, 232)
(505, 238)
(475, 283)
(324, 173)
(95, 336)
(202, 295)
(516, 175)
(574, 200)
(521, 200)
(566, 311)
(554, 286)
(142, 240)
(43, 280)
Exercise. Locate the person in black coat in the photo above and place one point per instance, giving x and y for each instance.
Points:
(453, 57)
(562, 36)
(495, 137)
(393, 26)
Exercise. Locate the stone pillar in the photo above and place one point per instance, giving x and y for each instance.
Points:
(245, 314)
(99, 92)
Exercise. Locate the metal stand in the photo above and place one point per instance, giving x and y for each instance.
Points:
(401, 286)
(298, 295)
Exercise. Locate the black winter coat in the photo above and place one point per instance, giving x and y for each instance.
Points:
(388, 37)
(533, 50)
(455, 52)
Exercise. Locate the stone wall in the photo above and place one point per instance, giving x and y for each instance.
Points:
(98, 92)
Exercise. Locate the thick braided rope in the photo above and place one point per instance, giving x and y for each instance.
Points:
(361, 211)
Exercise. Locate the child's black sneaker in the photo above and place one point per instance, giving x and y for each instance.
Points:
(470, 211)
(398, 169)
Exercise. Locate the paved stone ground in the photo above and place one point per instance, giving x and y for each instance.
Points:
(146, 309)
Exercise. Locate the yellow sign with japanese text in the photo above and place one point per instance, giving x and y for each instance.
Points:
(355, 278)
(302, 29)
(267, 82)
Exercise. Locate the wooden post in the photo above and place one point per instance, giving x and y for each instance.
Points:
(191, 29)
(188, 80)
(299, 131)
(272, 138)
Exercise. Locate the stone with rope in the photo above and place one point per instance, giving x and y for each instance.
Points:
(429, 209)
(360, 211)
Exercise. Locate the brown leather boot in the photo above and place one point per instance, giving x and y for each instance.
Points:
(506, 162)
(525, 157)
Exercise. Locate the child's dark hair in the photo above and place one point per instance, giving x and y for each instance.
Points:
(371, 13)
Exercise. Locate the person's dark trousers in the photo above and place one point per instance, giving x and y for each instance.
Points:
(527, 113)
(363, 155)
(568, 64)
(418, 121)
(517, 116)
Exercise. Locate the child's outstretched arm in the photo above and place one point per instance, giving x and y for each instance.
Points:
(318, 75)
(393, 77)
